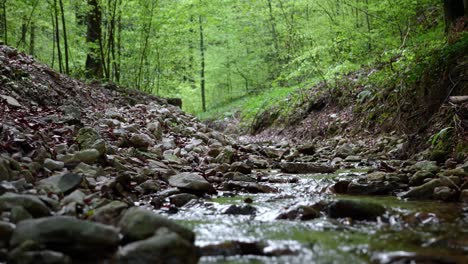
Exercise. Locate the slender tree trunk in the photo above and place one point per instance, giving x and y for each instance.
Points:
(191, 53)
(369, 29)
(202, 63)
(274, 34)
(57, 36)
(3, 22)
(119, 45)
(65, 38)
(147, 34)
(53, 39)
(24, 31)
(32, 38)
(94, 67)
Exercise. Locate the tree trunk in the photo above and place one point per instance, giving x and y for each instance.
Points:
(24, 31)
(3, 22)
(93, 38)
(65, 39)
(57, 36)
(453, 10)
(32, 38)
(202, 63)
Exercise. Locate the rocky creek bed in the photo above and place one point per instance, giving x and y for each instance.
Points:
(100, 174)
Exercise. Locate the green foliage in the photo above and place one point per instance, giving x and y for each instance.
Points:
(254, 48)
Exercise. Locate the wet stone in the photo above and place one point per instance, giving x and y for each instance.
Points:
(30, 203)
(424, 191)
(6, 231)
(165, 246)
(299, 168)
(53, 165)
(69, 235)
(301, 212)
(69, 182)
(181, 199)
(233, 248)
(191, 182)
(240, 210)
(356, 210)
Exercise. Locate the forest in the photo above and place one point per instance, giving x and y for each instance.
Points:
(234, 131)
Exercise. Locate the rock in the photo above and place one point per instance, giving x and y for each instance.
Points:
(234, 248)
(5, 174)
(426, 165)
(306, 149)
(460, 172)
(11, 101)
(109, 214)
(86, 137)
(138, 223)
(301, 212)
(74, 237)
(353, 159)
(341, 187)
(191, 182)
(236, 176)
(30, 203)
(250, 187)
(165, 246)
(240, 210)
(372, 187)
(181, 199)
(241, 167)
(227, 155)
(299, 168)
(344, 151)
(40, 257)
(88, 156)
(141, 141)
(357, 210)
(149, 186)
(444, 193)
(424, 191)
(6, 231)
(19, 214)
(69, 182)
(155, 129)
(76, 197)
(53, 165)
(7, 187)
(419, 177)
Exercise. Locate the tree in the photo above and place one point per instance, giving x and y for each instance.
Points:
(3, 21)
(94, 63)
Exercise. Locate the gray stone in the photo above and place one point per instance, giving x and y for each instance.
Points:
(191, 182)
(227, 155)
(181, 199)
(353, 158)
(142, 141)
(86, 137)
(69, 182)
(301, 212)
(344, 151)
(250, 187)
(357, 210)
(19, 214)
(423, 191)
(53, 165)
(40, 257)
(426, 165)
(444, 193)
(299, 168)
(109, 213)
(88, 156)
(5, 174)
(307, 149)
(149, 186)
(138, 223)
(6, 231)
(241, 167)
(31, 203)
(372, 187)
(164, 247)
(69, 235)
(464, 196)
(240, 210)
(419, 177)
(155, 129)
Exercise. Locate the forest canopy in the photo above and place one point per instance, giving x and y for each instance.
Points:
(211, 52)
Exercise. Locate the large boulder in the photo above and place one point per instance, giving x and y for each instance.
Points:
(191, 182)
(6, 230)
(74, 237)
(165, 246)
(138, 223)
(357, 210)
(30, 203)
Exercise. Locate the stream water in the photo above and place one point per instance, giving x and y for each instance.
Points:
(419, 231)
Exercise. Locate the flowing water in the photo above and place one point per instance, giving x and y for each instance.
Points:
(426, 231)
